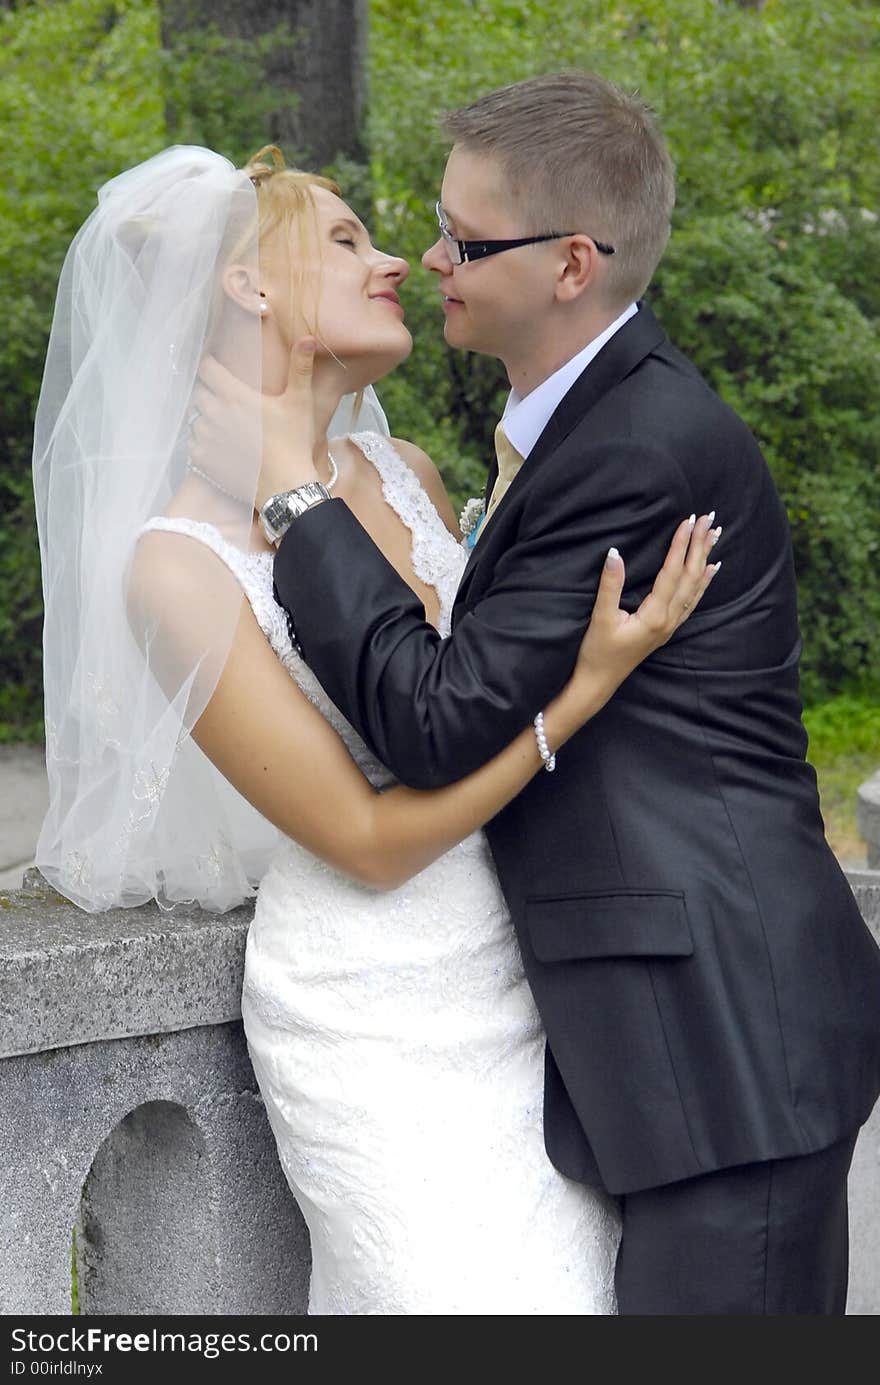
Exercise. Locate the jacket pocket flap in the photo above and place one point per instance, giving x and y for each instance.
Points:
(634, 923)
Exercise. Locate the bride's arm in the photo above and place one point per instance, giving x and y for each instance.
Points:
(264, 735)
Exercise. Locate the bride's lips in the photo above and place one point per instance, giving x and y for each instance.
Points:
(389, 297)
(449, 302)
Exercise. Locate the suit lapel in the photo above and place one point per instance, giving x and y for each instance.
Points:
(636, 339)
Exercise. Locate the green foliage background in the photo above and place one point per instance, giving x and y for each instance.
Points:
(771, 282)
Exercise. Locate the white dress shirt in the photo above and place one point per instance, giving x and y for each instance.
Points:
(526, 416)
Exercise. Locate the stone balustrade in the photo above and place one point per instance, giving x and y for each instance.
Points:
(129, 1110)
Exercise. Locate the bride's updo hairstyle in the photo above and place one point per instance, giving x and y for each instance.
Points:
(283, 194)
(285, 200)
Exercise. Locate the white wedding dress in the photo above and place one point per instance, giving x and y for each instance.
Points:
(398, 1049)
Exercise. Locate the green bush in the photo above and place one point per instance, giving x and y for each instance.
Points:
(79, 100)
(771, 282)
(800, 362)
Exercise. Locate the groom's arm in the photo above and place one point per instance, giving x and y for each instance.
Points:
(434, 709)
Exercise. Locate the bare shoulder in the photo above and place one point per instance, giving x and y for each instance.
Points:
(169, 571)
(419, 462)
(160, 572)
(181, 601)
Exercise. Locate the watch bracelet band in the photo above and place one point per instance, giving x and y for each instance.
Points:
(279, 511)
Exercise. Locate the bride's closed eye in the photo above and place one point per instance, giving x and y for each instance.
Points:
(345, 232)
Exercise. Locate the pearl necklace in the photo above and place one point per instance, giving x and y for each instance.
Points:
(240, 499)
(334, 471)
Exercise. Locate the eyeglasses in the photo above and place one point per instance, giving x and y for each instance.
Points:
(461, 251)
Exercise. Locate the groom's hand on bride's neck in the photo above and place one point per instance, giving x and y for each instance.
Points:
(289, 428)
(231, 416)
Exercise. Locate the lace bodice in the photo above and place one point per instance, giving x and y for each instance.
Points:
(438, 559)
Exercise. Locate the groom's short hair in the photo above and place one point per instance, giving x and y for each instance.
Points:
(579, 154)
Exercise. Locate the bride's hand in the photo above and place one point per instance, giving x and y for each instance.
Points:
(617, 641)
(226, 412)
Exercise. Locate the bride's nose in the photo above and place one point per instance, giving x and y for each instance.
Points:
(394, 268)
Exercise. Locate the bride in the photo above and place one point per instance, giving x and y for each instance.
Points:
(192, 754)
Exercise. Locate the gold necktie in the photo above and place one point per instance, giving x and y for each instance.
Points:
(509, 463)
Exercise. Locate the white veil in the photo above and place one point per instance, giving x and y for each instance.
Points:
(359, 414)
(136, 811)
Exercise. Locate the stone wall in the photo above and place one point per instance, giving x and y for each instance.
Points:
(128, 1109)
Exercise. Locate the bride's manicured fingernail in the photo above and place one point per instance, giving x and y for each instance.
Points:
(613, 558)
(709, 519)
(692, 521)
(715, 566)
(715, 534)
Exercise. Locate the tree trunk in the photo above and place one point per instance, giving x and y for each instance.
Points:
(323, 68)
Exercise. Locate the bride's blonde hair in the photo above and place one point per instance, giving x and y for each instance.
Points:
(285, 201)
(283, 194)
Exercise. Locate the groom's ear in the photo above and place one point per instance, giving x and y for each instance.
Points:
(578, 267)
(240, 284)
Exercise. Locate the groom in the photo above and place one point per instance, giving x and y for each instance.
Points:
(710, 993)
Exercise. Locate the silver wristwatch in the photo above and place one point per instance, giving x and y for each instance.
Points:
(279, 511)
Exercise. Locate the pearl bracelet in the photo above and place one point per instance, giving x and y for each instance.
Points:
(543, 747)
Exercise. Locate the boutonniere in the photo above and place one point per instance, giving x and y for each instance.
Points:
(472, 517)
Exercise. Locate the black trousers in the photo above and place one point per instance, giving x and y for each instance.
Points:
(767, 1238)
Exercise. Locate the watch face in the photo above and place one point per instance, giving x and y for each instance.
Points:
(279, 512)
(275, 518)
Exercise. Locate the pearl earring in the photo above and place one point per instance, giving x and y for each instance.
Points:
(264, 307)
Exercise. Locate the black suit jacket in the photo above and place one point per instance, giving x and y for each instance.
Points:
(710, 993)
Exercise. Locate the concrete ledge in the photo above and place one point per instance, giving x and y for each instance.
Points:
(67, 977)
(71, 978)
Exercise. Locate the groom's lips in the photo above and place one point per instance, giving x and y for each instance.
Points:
(449, 302)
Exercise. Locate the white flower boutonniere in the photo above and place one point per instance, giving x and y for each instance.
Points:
(472, 517)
